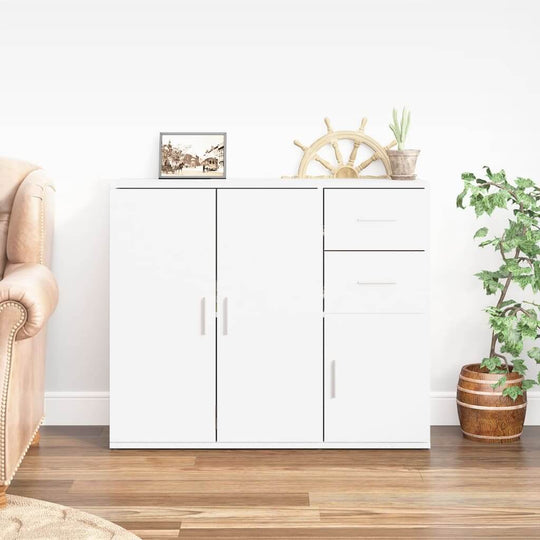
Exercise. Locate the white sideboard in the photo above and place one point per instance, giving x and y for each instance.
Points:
(269, 314)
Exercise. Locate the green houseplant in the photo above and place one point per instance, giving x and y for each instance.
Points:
(402, 161)
(493, 405)
(400, 129)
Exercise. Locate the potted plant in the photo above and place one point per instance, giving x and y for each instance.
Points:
(492, 395)
(403, 162)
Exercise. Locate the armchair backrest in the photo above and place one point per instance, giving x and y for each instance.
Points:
(26, 214)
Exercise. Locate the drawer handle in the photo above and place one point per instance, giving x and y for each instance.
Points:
(203, 316)
(360, 220)
(376, 282)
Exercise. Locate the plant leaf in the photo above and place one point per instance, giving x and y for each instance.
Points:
(519, 366)
(507, 303)
(491, 363)
(480, 233)
(460, 197)
(534, 353)
(513, 392)
(524, 182)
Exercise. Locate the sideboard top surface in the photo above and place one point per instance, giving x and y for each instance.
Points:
(268, 183)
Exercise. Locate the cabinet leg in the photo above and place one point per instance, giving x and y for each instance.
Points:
(3, 498)
(35, 440)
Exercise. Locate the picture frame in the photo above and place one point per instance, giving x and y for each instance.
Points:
(192, 155)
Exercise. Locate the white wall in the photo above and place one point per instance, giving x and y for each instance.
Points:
(87, 86)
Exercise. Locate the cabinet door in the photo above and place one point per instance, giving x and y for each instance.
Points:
(162, 315)
(269, 315)
(377, 378)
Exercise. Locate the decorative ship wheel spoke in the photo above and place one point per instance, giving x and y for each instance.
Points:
(342, 168)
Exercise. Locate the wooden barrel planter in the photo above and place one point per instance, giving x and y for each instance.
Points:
(484, 413)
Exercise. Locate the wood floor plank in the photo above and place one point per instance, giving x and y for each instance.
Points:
(109, 465)
(152, 534)
(343, 533)
(458, 489)
(282, 481)
(173, 494)
(150, 525)
(217, 516)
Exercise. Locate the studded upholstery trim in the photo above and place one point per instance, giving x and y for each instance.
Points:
(5, 385)
(7, 481)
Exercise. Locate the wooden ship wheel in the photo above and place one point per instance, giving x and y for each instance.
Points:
(342, 168)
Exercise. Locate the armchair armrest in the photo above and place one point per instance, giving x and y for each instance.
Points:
(33, 286)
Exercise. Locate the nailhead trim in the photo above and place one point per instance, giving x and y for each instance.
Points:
(8, 481)
(5, 387)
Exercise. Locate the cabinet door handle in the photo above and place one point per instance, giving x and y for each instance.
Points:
(362, 220)
(333, 379)
(203, 316)
(225, 316)
(376, 283)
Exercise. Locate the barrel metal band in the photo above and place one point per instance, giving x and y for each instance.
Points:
(482, 408)
(478, 392)
(492, 436)
(483, 381)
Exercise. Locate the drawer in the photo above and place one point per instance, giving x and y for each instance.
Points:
(375, 282)
(375, 219)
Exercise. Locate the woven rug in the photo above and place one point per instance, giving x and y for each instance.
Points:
(25, 518)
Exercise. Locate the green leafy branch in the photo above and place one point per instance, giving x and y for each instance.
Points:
(511, 321)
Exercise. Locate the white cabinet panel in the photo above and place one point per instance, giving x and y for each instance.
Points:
(376, 282)
(162, 315)
(254, 375)
(375, 219)
(376, 378)
(269, 315)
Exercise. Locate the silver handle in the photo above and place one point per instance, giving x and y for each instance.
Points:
(333, 379)
(225, 316)
(360, 220)
(376, 282)
(203, 316)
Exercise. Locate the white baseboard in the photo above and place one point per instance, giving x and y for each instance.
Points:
(76, 408)
(444, 409)
(92, 409)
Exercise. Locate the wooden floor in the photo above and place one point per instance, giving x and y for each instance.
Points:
(458, 489)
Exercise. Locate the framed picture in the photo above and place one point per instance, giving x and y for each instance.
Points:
(192, 155)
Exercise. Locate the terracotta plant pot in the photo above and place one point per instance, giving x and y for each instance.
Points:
(403, 163)
(484, 413)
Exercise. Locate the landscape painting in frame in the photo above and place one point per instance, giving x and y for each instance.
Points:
(192, 155)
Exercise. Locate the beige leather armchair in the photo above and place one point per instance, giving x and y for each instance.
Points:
(28, 296)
